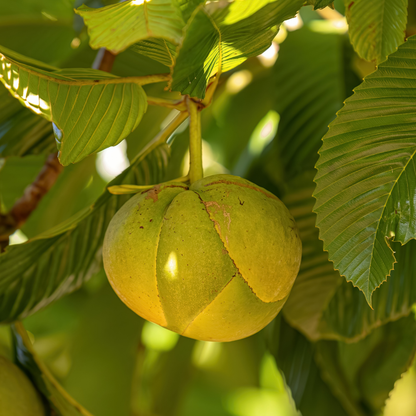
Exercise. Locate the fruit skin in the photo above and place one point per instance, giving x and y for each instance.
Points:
(214, 261)
(18, 397)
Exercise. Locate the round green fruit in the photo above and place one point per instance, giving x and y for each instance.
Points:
(18, 397)
(213, 261)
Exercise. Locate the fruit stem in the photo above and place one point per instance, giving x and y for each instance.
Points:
(196, 171)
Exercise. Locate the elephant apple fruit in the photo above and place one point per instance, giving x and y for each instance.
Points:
(213, 261)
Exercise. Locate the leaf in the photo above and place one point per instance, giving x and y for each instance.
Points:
(15, 176)
(224, 37)
(22, 132)
(104, 349)
(294, 356)
(58, 398)
(91, 110)
(160, 50)
(320, 4)
(36, 273)
(312, 78)
(367, 370)
(376, 27)
(365, 194)
(118, 26)
(331, 307)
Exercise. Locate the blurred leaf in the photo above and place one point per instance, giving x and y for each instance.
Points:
(367, 370)
(77, 187)
(226, 36)
(376, 28)
(320, 4)
(104, 349)
(294, 355)
(90, 110)
(41, 29)
(172, 378)
(36, 273)
(331, 307)
(59, 400)
(312, 78)
(118, 26)
(366, 174)
(15, 175)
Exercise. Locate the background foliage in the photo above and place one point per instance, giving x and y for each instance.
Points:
(352, 195)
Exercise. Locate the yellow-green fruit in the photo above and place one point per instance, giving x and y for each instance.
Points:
(18, 397)
(214, 261)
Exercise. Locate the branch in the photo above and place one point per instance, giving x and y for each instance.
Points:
(47, 177)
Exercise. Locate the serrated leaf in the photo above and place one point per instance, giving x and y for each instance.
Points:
(218, 36)
(333, 308)
(36, 273)
(59, 400)
(366, 180)
(90, 109)
(120, 25)
(376, 27)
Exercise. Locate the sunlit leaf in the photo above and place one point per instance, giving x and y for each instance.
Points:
(376, 27)
(118, 26)
(36, 273)
(59, 400)
(91, 110)
(218, 36)
(366, 180)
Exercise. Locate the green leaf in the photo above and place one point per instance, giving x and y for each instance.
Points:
(15, 176)
(311, 80)
(294, 356)
(320, 4)
(376, 27)
(160, 50)
(365, 372)
(58, 398)
(104, 349)
(22, 132)
(36, 273)
(91, 110)
(120, 25)
(366, 180)
(331, 307)
(224, 37)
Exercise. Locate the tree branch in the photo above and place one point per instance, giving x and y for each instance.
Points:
(47, 177)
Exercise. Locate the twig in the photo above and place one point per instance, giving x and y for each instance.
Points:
(47, 177)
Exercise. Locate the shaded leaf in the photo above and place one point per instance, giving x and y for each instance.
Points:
(218, 36)
(294, 356)
(36, 273)
(376, 27)
(15, 176)
(22, 132)
(366, 180)
(104, 349)
(91, 110)
(120, 25)
(58, 398)
(312, 78)
(160, 50)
